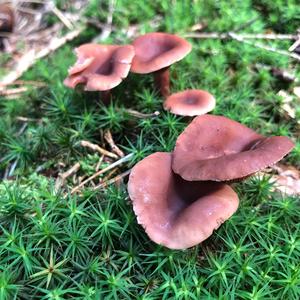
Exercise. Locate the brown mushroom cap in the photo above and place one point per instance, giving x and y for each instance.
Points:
(217, 148)
(7, 18)
(190, 103)
(7, 21)
(177, 213)
(157, 50)
(100, 67)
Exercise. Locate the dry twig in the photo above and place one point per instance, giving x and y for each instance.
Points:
(13, 92)
(63, 176)
(286, 180)
(97, 148)
(22, 129)
(247, 36)
(99, 163)
(113, 180)
(12, 168)
(97, 174)
(26, 82)
(239, 38)
(25, 119)
(295, 45)
(62, 17)
(287, 107)
(140, 115)
(283, 74)
(131, 32)
(31, 57)
(108, 137)
(107, 27)
(134, 30)
(109, 175)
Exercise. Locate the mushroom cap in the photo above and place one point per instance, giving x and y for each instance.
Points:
(190, 103)
(100, 67)
(177, 213)
(7, 18)
(157, 50)
(217, 148)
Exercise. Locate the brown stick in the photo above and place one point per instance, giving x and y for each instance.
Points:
(140, 115)
(281, 73)
(14, 91)
(99, 163)
(63, 176)
(24, 82)
(62, 17)
(107, 29)
(113, 165)
(246, 37)
(31, 57)
(295, 45)
(264, 47)
(97, 148)
(109, 175)
(113, 180)
(25, 119)
(225, 36)
(162, 81)
(108, 137)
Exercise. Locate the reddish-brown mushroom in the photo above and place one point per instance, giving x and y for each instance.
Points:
(176, 213)
(217, 148)
(6, 20)
(190, 103)
(154, 53)
(100, 67)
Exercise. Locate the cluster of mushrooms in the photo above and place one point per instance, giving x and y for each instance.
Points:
(180, 198)
(103, 67)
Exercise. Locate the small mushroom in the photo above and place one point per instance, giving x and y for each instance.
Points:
(220, 149)
(177, 213)
(154, 53)
(7, 20)
(190, 103)
(100, 67)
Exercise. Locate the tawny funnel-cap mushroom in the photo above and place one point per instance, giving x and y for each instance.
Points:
(156, 52)
(7, 20)
(100, 67)
(190, 103)
(217, 148)
(177, 213)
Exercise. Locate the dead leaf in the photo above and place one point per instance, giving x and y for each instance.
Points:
(289, 104)
(198, 27)
(287, 179)
(296, 91)
(32, 38)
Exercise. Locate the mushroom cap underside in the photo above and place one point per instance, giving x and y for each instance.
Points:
(190, 103)
(100, 67)
(176, 213)
(155, 51)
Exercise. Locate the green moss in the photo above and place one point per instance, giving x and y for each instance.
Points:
(92, 241)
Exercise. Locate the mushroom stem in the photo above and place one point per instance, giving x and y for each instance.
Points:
(106, 96)
(162, 81)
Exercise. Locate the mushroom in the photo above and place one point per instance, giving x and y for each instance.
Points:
(220, 149)
(177, 213)
(7, 21)
(100, 67)
(154, 53)
(190, 103)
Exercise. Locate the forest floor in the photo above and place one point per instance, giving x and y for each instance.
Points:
(59, 244)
